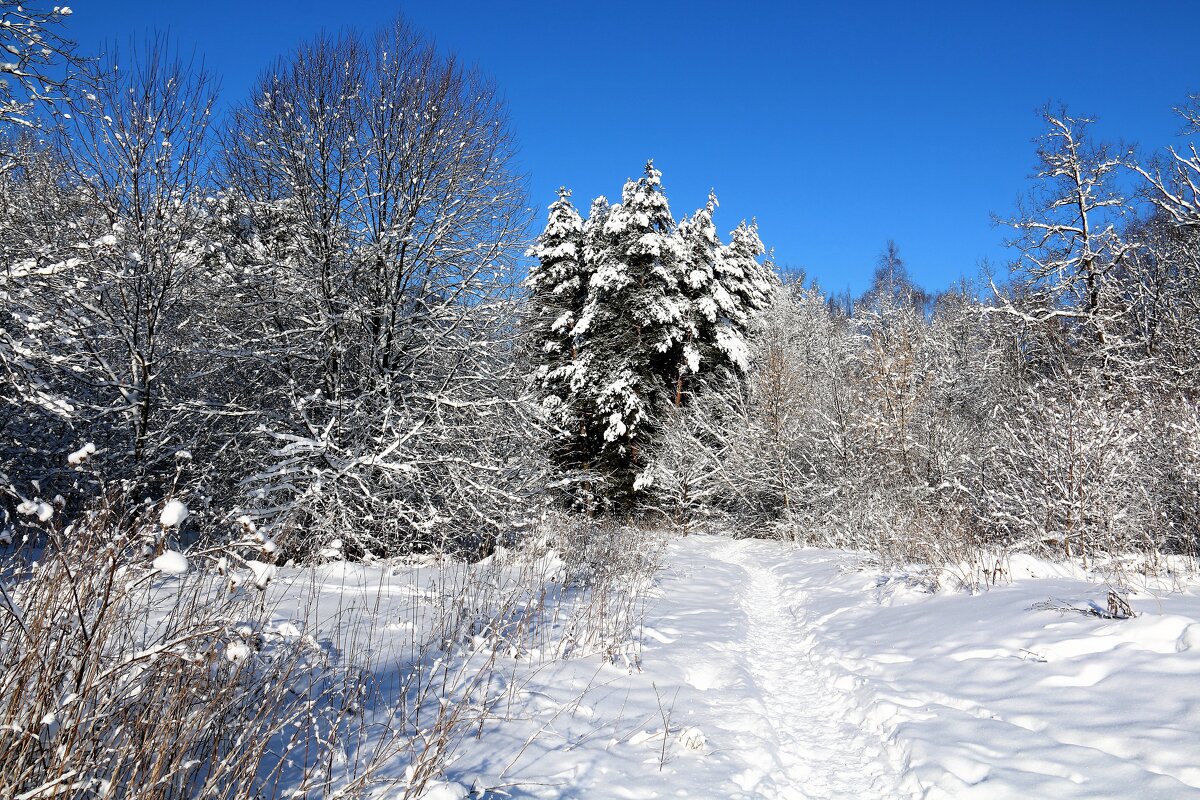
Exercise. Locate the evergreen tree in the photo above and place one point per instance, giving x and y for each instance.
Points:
(631, 313)
(708, 301)
(591, 376)
(634, 322)
(558, 290)
(726, 286)
(749, 285)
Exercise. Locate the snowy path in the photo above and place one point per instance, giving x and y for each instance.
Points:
(815, 755)
(729, 702)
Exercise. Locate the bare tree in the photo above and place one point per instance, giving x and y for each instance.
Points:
(1065, 472)
(108, 294)
(1069, 240)
(1174, 184)
(891, 283)
(377, 217)
(37, 212)
(38, 64)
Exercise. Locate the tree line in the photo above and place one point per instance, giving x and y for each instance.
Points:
(1052, 411)
(302, 314)
(309, 312)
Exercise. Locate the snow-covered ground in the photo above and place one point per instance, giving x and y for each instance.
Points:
(765, 671)
(778, 672)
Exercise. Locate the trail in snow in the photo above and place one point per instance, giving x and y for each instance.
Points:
(770, 672)
(817, 754)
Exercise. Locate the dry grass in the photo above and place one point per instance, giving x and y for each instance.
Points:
(119, 682)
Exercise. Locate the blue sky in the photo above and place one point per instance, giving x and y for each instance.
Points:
(838, 125)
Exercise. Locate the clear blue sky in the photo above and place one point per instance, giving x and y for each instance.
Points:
(839, 125)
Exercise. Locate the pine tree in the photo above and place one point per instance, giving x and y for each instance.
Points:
(634, 322)
(558, 290)
(749, 284)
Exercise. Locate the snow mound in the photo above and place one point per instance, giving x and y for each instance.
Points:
(441, 790)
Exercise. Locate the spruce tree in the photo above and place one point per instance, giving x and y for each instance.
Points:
(557, 286)
(632, 314)
(749, 284)
(708, 302)
(634, 322)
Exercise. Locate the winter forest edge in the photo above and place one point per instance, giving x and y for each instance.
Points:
(324, 328)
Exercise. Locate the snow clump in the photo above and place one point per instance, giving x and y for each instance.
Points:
(36, 508)
(81, 455)
(172, 562)
(173, 514)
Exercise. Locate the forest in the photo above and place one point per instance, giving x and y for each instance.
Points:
(323, 326)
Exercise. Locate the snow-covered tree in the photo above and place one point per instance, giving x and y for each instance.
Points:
(558, 285)
(665, 311)
(894, 370)
(748, 282)
(633, 322)
(1161, 280)
(700, 250)
(110, 295)
(891, 285)
(1069, 240)
(1174, 182)
(799, 357)
(1066, 474)
(38, 65)
(726, 285)
(374, 216)
(39, 420)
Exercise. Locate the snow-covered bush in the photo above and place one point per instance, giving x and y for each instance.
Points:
(1066, 475)
(1172, 448)
(131, 669)
(607, 575)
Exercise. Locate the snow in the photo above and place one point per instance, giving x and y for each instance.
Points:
(173, 514)
(81, 455)
(723, 705)
(331, 551)
(802, 673)
(36, 508)
(262, 573)
(441, 790)
(171, 562)
(771, 671)
(237, 651)
(994, 696)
